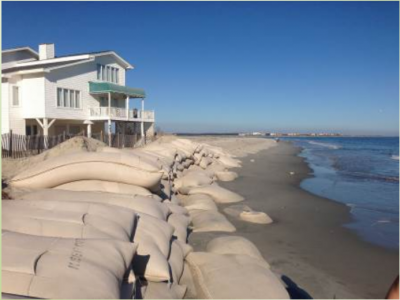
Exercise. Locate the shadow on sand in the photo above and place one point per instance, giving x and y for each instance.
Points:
(294, 290)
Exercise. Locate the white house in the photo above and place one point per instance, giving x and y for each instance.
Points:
(45, 94)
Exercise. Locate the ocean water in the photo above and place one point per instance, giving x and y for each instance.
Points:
(362, 173)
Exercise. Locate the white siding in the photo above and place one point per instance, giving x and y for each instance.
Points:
(32, 88)
(16, 121)
(5, 121)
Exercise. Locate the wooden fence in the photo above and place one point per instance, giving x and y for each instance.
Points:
(18, 146)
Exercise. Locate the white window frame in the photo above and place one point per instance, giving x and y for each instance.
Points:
(77, 98)
(12, 96)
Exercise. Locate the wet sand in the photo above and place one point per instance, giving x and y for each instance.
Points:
(307, 244)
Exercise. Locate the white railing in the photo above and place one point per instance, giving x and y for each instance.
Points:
(146, 114)
(120, 113)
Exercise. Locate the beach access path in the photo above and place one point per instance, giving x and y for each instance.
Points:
(307, 244)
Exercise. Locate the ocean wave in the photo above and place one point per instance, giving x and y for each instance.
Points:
(370, 176)
(395, 157)
(326, 145)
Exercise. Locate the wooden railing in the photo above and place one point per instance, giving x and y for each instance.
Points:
(18, 145)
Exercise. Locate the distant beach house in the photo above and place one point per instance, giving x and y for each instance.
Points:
(49, 95)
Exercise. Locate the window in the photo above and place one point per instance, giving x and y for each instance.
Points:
(72, 98)
(68, 98)
(112, 74)
(15, 94)
(60, 102)
(107, 73)
(77, 99)
(99, 67)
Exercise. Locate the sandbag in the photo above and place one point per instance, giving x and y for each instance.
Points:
(218, 276)
(105, 186)
(118, 167)
(199, 202)
(186, 248)
(91, 227)
(226, 175)
(219, 194)
(175, 208)
(193, 179)
(187, 280)
(235, 245)
(139, 204)
(175, 261)
(162, 290)
(205, 162)
(56, 268)
(209, 220)
(180, 223)
(154, 239)
(258, 217)
(229, 162)
(73, 212)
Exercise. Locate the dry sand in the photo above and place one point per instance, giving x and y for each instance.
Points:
(307, 243)
(237, 146)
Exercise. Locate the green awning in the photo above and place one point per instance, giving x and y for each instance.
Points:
(106, 87)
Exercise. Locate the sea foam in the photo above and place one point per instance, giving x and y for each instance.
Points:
(326, 145)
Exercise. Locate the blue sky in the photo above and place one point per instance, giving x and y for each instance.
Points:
(237, 66)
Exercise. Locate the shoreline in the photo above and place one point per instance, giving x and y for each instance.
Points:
(307, 243)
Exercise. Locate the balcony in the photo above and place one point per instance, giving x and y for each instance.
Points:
(120, 114)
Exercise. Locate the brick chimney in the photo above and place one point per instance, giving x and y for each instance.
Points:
(46, 51)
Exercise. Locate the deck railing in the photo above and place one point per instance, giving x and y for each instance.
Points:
(120, 113)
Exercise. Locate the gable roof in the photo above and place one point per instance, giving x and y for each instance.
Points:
(23, 48)
(64, 61)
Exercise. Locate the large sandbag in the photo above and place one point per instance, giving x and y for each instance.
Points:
(73, 212)
(219, 276)
(229, 162)
(175, 261)
(118, 167)
(258, 217)
(193, 179)
(175, 208)
(180, 224)
(55, 268)
(219, 194)
(139, 204)
(235, 245)
(163, 290)
(92, 227)
(209, 220)
(154, 239)
(205, 162)
(199, 202)
(187, 280)
(226, 175)
(105, 186)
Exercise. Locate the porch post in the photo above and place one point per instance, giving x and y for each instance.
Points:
(109, 132)
(127, 107)
(142, 122)
(109, 119)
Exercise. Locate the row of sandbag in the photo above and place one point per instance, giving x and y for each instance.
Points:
(157, 234)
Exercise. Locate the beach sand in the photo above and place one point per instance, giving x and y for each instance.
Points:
(307, 244)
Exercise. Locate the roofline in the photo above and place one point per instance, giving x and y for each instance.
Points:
(71, 64)
(24, 72)
(128, 65)
(21, 49)
(53, 60)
